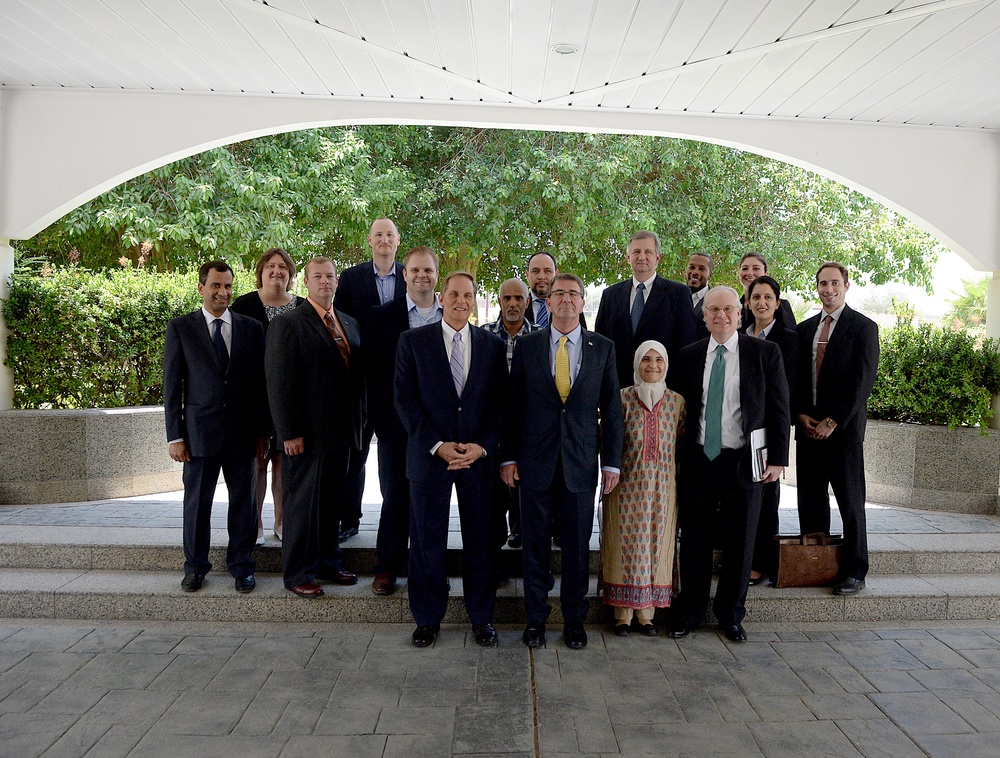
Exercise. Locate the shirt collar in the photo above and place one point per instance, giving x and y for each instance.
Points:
(227, 317)
(450, 333)
(392, 271)
(574, 336)
(410, 305)
(319, 308)
(729, 343)
(836, 314)
(648, 282)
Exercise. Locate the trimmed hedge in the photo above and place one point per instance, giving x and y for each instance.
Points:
(931, 375)
(85, 339)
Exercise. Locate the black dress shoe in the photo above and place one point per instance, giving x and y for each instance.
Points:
(338, 577)
(679, 628)
(849, 587)
(423, 636)
(347, 532)
(622, 630)
(192, 582)
(649, 630)
(733, 632)
(515, 540)
(486, 635)
(245, 584)
(534, 635)
(574, 635)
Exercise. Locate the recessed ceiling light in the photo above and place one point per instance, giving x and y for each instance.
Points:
(565, 48)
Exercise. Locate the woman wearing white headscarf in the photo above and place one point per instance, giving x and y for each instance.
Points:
(639, 518)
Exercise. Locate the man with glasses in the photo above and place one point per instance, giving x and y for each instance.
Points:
(565, 410)
(735, 390)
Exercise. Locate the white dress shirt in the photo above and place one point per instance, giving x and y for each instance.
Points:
(732, 416)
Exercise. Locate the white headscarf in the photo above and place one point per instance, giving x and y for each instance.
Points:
(650, 393)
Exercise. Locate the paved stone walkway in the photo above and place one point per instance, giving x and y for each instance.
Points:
(172, 689)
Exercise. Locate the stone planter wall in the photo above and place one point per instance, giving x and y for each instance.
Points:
(72, 456)
(929, 467)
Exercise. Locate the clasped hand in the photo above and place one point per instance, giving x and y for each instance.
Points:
(460, 455)
(817, 430)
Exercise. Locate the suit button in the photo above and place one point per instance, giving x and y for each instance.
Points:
(459, 409)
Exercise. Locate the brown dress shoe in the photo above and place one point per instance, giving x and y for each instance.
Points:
(309, 589)
(384, 584)
(338, 577)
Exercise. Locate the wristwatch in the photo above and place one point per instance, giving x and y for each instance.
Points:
(831, 423)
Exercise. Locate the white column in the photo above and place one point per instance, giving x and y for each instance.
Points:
(993, 330)
(6, 375)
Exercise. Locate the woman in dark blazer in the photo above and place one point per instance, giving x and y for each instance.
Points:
(275, 278)
(764, 303)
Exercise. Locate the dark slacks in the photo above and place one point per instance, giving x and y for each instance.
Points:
(765, 551)
(707, 486)
(200, 476)
(394, 520)
(574, 516)
(427, 579)
(354, 480)
(312, 485)
(838, 462)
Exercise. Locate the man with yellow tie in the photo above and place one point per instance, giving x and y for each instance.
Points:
(561, 378)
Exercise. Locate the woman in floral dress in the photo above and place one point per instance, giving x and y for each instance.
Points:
(639, 518)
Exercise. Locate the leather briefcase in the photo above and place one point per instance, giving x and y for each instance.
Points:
(808, 560)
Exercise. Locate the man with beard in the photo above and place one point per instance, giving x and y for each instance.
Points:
(698, 275)
(511, 325)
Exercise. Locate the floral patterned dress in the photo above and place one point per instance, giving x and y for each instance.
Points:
(639, 517)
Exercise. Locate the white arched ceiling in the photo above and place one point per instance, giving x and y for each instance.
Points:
(897, 98)
(948, 181)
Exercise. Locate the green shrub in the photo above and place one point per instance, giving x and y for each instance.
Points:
(85, 339)
(931, 375)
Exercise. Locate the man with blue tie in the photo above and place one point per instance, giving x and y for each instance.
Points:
(541, 269)
(734, 386)
(449, 387)
(645, 307)
(215, 410)
(565, 409)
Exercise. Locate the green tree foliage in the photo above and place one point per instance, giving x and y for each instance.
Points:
(489, 198)
(931, 375)
(80, 339)
(968, 308)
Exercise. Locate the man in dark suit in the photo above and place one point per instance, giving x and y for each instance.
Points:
(733, 385)
(361, 288)
(698, 274)
(380, 334)
(316, 392)
(450, 387)
(646, 307)
(837, 366)
(562, 377)
(215, 409)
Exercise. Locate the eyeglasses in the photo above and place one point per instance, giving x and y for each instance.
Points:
(572, 294)
(729, 310)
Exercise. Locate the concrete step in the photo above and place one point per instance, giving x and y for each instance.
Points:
(60, 547)
(140, 595)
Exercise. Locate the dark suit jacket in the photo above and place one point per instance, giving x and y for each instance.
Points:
(251, 305)
(429, 406)
(380, 335)
(540, 431)
(312, 394)
(667, 318)
(357, 292)
(763, 397)
(788, 342)
(847, 375)
(700, 329)
(205, 406)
